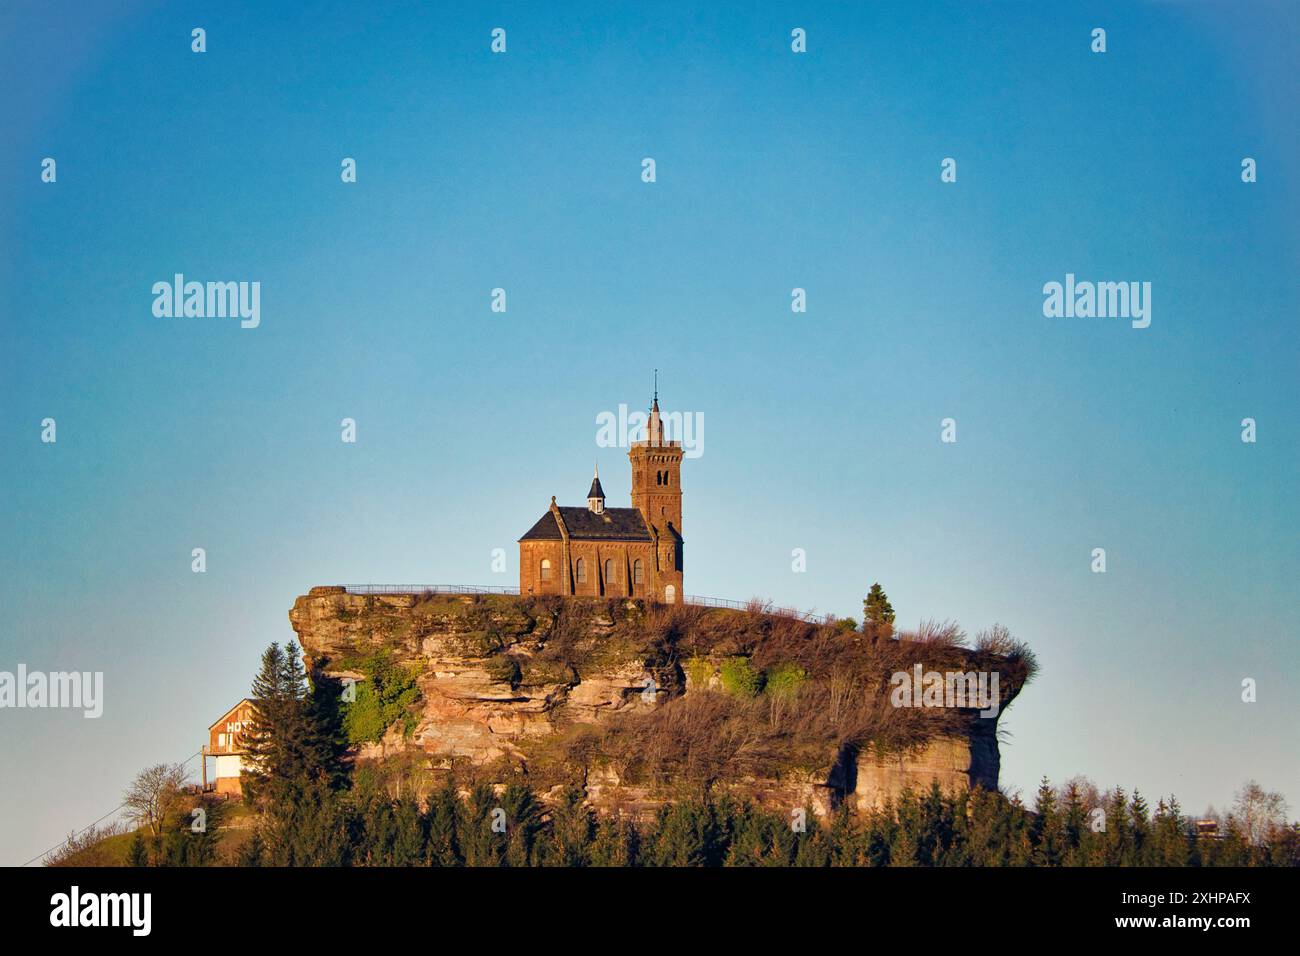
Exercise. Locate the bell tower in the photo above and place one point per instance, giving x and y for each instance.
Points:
(657, 494)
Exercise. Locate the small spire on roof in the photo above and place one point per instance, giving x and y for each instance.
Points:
(596, 496)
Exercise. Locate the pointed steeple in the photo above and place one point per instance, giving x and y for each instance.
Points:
(654, 427)
(596, 496)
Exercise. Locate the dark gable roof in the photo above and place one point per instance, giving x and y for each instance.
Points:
(615, 524)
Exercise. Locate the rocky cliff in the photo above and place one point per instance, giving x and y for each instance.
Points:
(637, 702)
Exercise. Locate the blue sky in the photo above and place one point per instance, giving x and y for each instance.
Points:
(774, 171)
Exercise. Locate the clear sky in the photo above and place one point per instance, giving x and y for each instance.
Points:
(775, 170)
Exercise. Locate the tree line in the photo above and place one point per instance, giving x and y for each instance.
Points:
(311, 809)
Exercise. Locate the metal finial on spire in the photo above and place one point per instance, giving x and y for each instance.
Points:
(656, 386)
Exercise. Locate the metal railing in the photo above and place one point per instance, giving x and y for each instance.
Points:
(766, 607)
(424, 589)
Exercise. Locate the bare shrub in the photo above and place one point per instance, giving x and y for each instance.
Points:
(87, 847)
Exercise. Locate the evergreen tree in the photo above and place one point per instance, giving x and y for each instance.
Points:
(572, 827)
(523, 825)
(292, 771)
(876, 609)
(615, 843)
(138, 855)
(481, 844)
(684, 834)
(814, 844)
(845, 839)
(1074, 826)
(440, 824)
(1169, 837)
(182, 846)
(409, 836)
(1047, 830)
(251, 853)
(1140, 829)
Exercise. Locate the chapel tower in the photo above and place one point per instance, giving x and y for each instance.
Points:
(657, 494)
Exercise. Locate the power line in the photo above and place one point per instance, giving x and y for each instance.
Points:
(76, 833)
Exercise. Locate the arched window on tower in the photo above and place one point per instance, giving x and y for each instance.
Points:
(638, 572)
(546, 569)
(580, 571)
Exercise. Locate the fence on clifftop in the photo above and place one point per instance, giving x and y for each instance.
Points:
(764, 607)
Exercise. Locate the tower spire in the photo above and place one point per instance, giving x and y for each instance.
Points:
(596, 496)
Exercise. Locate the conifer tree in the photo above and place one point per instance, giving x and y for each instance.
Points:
(814, 845)
(440, 823)
(251, 853)
(1140, 831)
(409, 836)
(571, 831)
(481, 844)
(615, 843)
(291, 770)
(685, 834)
(523, 825)
(1047, 830)
(138, 855)
(877, 612)
(1075, 826)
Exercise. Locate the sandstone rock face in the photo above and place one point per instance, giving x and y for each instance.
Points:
(954, 763)
(468, 710)
(488, 688)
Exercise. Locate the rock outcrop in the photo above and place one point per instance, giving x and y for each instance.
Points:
(551, 685)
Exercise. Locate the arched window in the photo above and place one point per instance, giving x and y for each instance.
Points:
(609, 570)
(580, 571)
(546, 569)
(638, 572)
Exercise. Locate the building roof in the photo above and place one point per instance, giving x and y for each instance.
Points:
(614, 524)
(596, 490)
(246, 700)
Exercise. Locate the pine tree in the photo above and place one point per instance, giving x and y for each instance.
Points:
(251, 853)
(292, 771)
(138, 855)
(440, 823)
(523, 825)
(1075, 826)
(615, 843)
(481, 844)
(877, 615)
(571, 829)
(1169, 838)
(1140, 829)
(1047, 830)
(685, 834)
(409, 836)
(876, 609)
(814, 845)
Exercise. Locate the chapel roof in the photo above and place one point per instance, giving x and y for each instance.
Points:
(613, 524)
